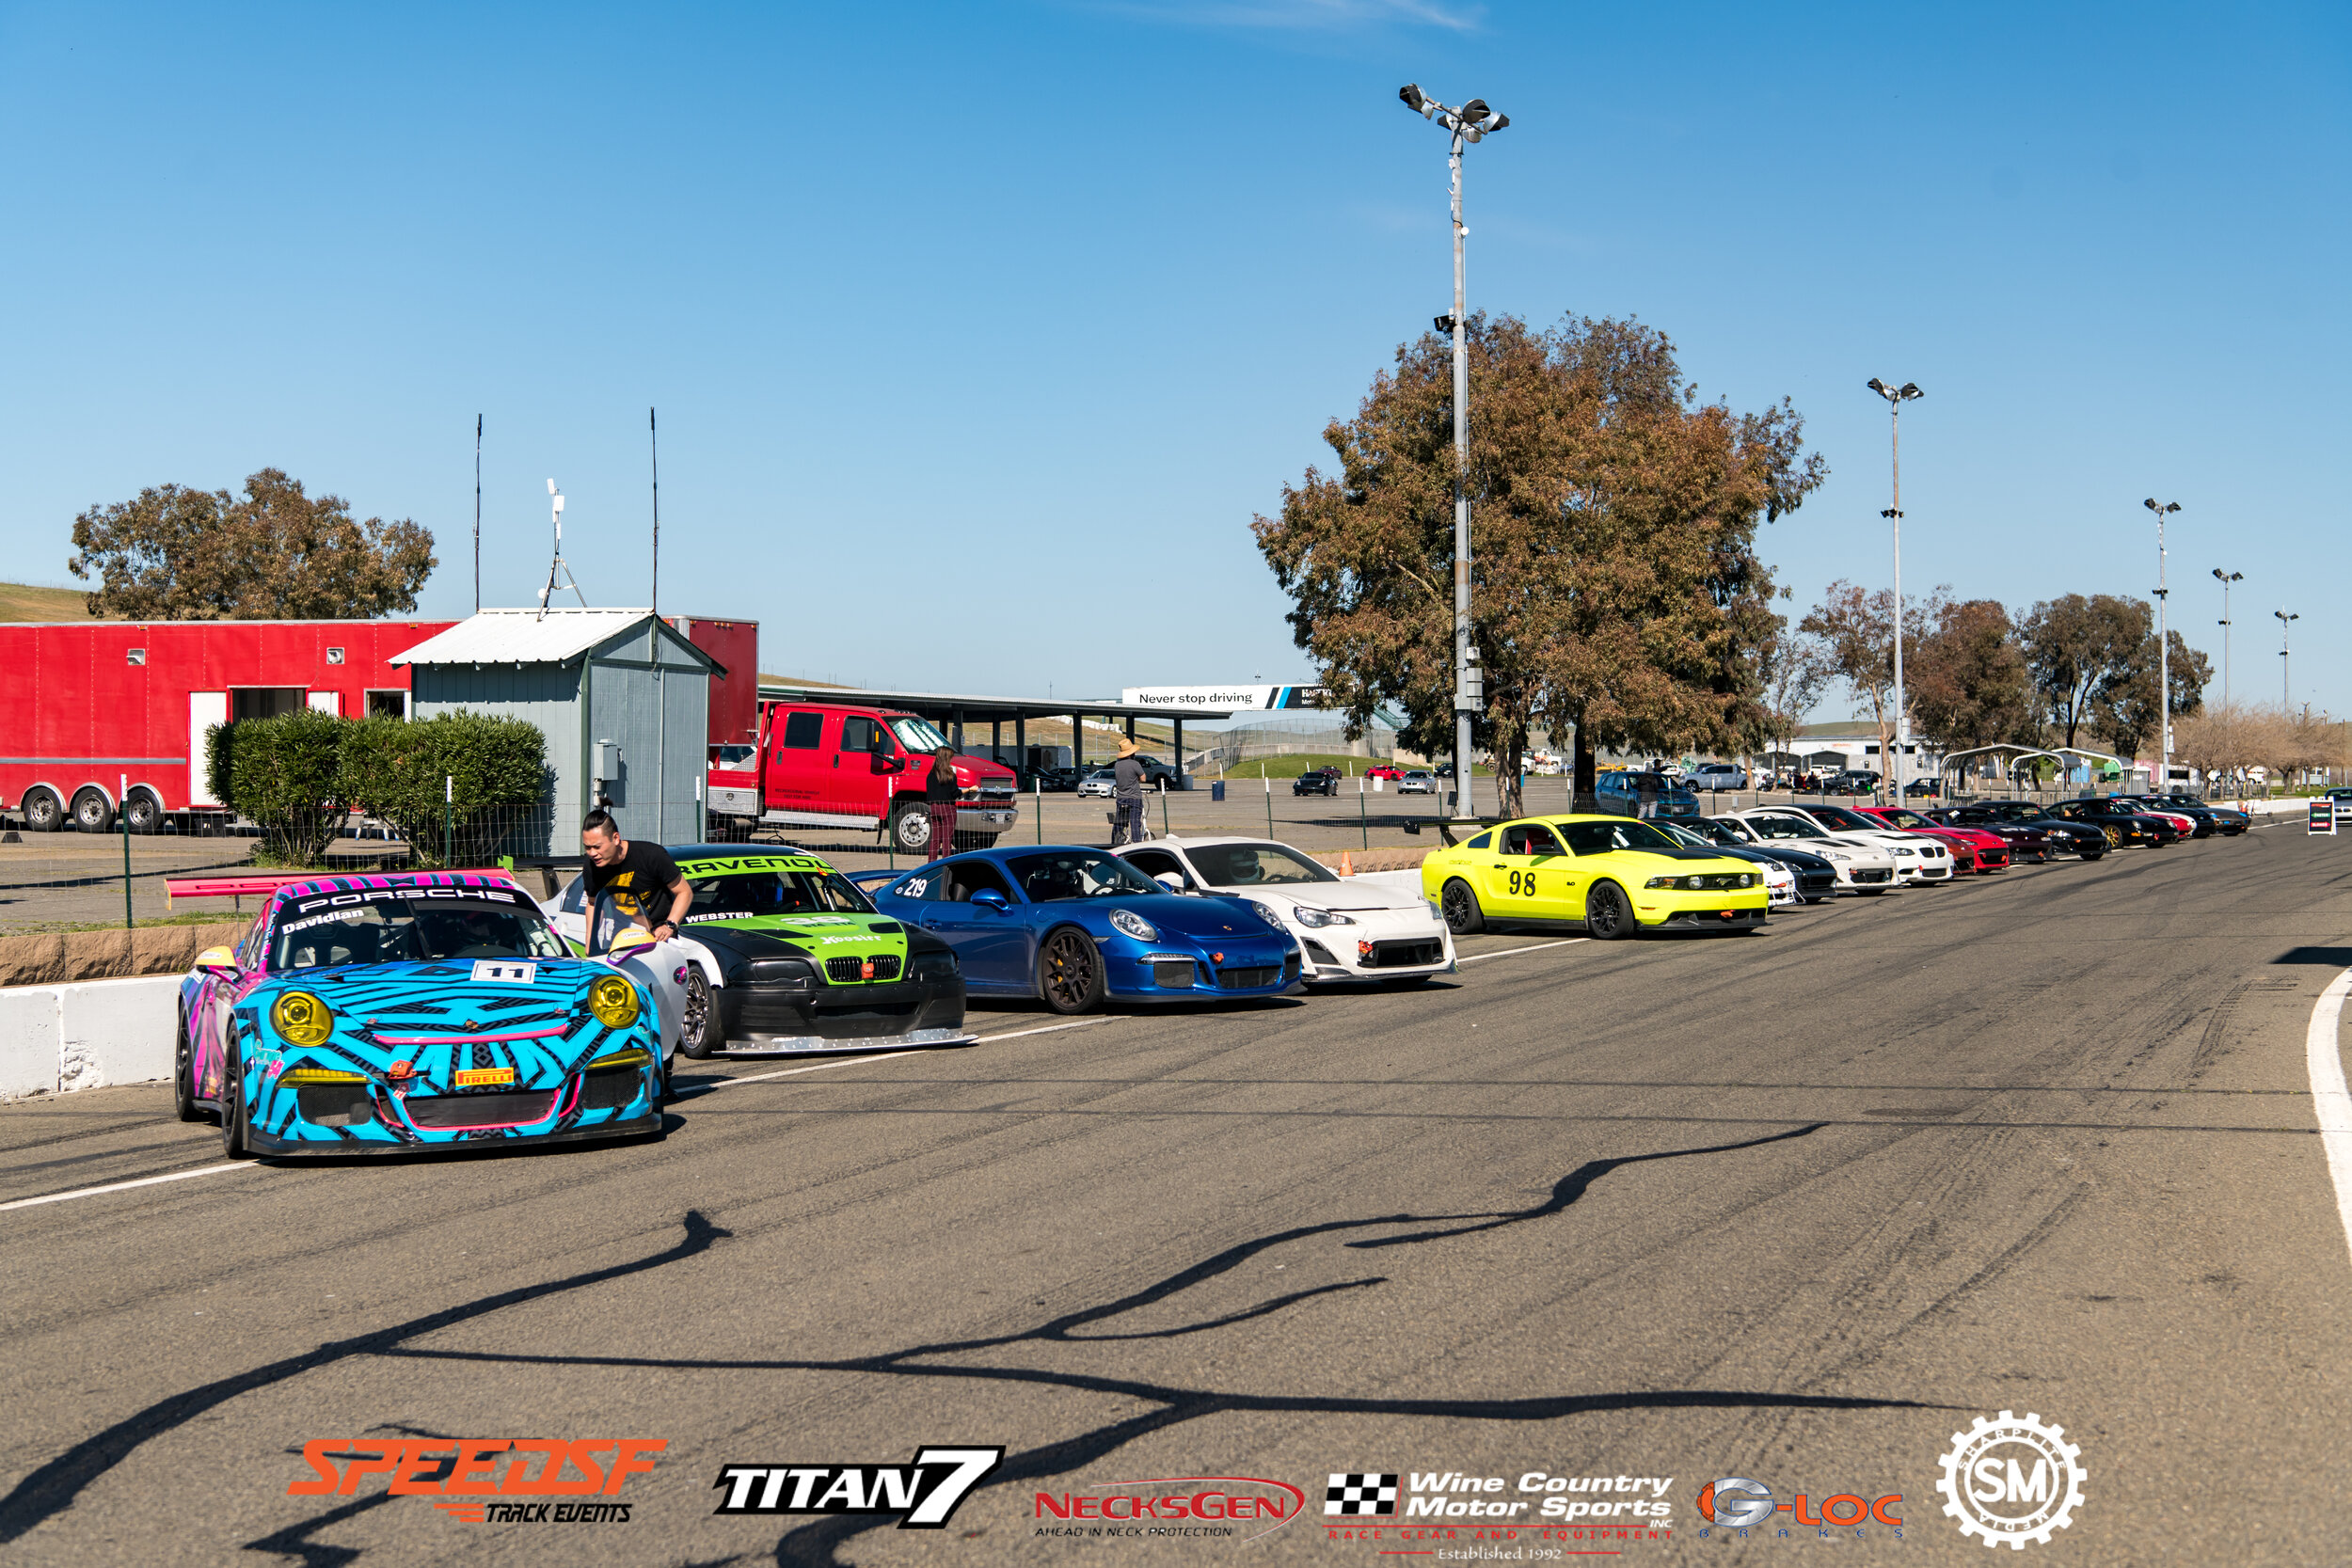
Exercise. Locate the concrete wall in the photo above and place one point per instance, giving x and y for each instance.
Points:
(58, 1038)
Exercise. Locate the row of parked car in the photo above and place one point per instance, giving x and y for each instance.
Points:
(1536, 870)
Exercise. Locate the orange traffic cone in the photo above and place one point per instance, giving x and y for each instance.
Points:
(1347, 866)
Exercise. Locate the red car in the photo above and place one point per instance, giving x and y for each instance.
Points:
(1973, 848)
(1383, 770)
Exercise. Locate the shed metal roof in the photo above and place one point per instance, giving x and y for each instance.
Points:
(526, 636)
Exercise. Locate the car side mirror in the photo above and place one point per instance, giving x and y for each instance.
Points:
(1170, 880)
(989, 898)
(628, 942)
(217, 961)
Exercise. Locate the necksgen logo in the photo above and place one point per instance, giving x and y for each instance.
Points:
(1173, 1505)
(471, 1469)
(928, 1491)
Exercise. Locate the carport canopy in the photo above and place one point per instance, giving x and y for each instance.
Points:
(953, 711)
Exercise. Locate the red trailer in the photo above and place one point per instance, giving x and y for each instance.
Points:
(101, 715)
(734, 696)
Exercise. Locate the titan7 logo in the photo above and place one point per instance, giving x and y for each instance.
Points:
(927, 1492)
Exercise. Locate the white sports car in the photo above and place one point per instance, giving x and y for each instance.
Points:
(1862, 865)
(1346, 931)
(1917, 857)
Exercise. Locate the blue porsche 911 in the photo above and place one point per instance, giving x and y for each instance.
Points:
(1071, 926)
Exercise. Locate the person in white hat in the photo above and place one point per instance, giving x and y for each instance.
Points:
(1127, 794)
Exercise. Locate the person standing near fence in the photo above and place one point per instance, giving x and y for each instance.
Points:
(1646, 802)
(1127, 794)
(941, 790)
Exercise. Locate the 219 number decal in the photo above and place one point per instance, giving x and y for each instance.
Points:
(1523, 883)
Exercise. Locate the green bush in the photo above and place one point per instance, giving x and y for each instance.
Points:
(286, 774)
(394, 768)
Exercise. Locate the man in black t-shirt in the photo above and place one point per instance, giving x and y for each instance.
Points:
(641, 877)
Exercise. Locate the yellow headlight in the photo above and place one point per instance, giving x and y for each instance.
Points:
(613, 1000)
(302, 1019)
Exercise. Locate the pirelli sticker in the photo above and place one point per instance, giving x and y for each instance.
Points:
(484, 1077)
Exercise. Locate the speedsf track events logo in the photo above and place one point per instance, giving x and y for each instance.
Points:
(489, 1479)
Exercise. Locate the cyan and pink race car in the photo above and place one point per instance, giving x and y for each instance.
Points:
(384, 1014)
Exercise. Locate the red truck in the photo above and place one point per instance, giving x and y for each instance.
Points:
(101, 716)
(831, 765)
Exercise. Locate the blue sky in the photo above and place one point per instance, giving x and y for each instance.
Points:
(980, 332)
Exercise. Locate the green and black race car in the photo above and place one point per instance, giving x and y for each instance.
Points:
(783, 954)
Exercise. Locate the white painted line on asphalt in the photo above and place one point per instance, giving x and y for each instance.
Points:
(852, 1061)
(2330, 1099)
(125, 1186)
(1512, 952)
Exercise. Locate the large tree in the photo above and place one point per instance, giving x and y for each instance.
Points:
(2077, 650)
(1857, 627)
(1795, 667)
(1967, 682)
(2127, 707)
(176, 554)
(1617, 587)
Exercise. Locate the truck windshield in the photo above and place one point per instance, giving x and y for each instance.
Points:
(917, 735)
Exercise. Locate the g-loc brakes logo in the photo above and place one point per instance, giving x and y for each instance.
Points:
(928, 1490)
(1739, 1502)
(1986, 1491)
(462, 1467)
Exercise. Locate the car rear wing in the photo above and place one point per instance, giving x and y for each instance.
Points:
(262, 883)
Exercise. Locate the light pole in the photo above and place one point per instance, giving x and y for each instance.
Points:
(2225, 579)
(1473, 121)
(1896, 397)
(2285, 634)
(2164, 654)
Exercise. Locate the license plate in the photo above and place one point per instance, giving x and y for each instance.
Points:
(506, 970)
(483, 1077)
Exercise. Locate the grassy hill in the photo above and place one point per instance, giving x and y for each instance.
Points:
(22, 602)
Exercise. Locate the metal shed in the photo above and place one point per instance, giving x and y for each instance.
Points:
(623, 698)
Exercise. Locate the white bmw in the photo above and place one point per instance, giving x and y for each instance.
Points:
(1917, 857)
(1346, 931)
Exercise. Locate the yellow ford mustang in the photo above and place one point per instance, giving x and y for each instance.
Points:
(1612, 874)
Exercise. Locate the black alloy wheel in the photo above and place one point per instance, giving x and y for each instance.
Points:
(1463, 916)
(1070, 972)
(1606, 915)
(183, 1075)
(697, 1019)
(232, 1123)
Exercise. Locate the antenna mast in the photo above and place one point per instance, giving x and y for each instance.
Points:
(477, 513)
(653, 429)
(559, 575)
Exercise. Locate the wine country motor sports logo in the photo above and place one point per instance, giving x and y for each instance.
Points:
(1166, 1506)
(1737, 1504)
(1418, 1509)
(487, 1480)
(927, 1492)
(2012, 1482)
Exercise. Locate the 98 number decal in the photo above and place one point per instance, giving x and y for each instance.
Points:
(1523, 882)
